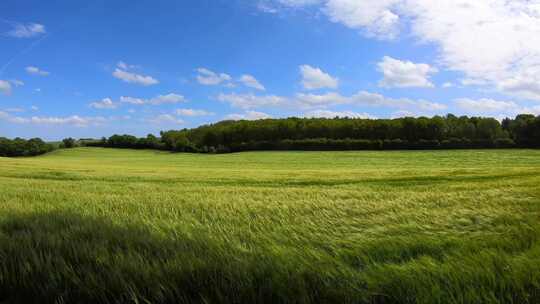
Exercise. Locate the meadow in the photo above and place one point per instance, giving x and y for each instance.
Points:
(94, 225)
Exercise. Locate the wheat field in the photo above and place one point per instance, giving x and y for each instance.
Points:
(124, 226)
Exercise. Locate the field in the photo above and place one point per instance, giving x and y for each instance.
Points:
(93, 225)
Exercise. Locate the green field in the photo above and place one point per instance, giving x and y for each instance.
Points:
(94, 225)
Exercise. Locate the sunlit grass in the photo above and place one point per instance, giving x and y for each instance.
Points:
(103, 225)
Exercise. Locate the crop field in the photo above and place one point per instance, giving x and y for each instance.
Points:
(92, 225)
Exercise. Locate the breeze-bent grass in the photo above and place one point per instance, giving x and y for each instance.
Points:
(122, 226)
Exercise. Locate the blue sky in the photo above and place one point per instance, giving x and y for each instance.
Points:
(138, 67)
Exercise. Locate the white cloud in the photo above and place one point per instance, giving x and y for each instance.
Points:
(131, 77)
(364, 98)
(404, 113)
(405, 74)
(323, 101)
(32, 70)
(74, 120)
(248, 115)
(124, 66)
(28, 30)
(105, 103)
(133, 100)
(525, 84)
(447, 85)
(473, 82)
(251, 82)
(207, 77)
(314, 78)
(487, 106)
(495, 41)
(70, 120)
(250, 101)
(492, 40)
(193, 112)
(332, 114)
(165, 119)
(5, 87)
(377, 18)
(266, 7)
(170, 98)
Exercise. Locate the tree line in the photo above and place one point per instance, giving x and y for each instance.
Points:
(439, 132)
(22, 147)
(448, 132)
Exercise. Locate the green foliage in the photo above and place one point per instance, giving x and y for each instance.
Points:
(341, 134)
(22, 147)
(525, 130)
(69, 143)
(92, 225)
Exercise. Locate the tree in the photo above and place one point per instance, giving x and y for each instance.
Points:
(69, 143)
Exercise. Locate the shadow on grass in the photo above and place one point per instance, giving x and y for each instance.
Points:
(60, 257)
(68, 258)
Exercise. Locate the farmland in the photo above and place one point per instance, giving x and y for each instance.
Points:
(107, 225)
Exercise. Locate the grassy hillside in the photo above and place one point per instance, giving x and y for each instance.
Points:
(103, 225)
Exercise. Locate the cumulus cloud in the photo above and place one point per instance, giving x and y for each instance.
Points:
(488, 106)
(70, 120)
(248, 115)
(134, 78)
(448, 85)
(28, 30)
(377, 19)
(210, 78)
(74, 120)
(170, 98)
(124, 66)
(314, 78)
(5, 87)
(525, 84)
(250, 101)
(105, 103)
(193, 112)
(251, 82)
(405, 74)
(493, 41)
(133, 100)
(125, 73)
(165, 119)
(364, 98)
(158, 100)
(332, 114)
(314, 102)
(32, 70)
(485, 105)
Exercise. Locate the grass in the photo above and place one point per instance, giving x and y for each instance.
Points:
(94, 225)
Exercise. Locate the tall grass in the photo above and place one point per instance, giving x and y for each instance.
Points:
(93, 225)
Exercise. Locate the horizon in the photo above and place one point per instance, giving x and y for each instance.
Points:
(96, 69)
